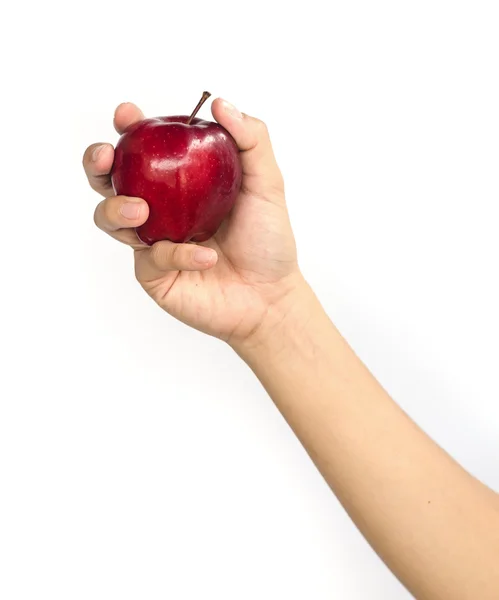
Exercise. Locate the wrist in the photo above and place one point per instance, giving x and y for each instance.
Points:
(285, 322)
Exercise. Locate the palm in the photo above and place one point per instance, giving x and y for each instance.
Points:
(256, 251)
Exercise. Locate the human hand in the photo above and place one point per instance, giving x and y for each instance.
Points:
(227, 285)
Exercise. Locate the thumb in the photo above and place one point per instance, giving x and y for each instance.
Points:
(251, 135)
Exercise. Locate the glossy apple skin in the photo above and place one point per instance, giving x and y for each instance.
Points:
(190, 176)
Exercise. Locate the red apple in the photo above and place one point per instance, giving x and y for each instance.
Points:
(187, 170)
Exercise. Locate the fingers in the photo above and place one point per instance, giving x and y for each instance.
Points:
(125, 115)
(97, 162)
(98, 158)
(167, 256)
(252, 138)
(119, 215)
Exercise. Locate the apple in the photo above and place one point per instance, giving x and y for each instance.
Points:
(186, 169)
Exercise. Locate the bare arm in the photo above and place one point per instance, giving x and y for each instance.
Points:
(435, 526)
(432, 523)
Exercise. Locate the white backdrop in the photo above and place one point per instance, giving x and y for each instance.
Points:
(139, 459)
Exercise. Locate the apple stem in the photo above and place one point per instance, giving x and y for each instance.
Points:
(204, 97)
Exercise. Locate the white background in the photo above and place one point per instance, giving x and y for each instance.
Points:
(139, 459)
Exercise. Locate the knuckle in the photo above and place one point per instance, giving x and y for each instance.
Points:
(156, 254)
(86, 157)
(176, 254)
(110, 210)
(261, 127)
(96, 216)
(137, 270)
(99, 214)
(106, 214)
(161, 256)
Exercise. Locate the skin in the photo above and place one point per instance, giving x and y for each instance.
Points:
(433, 524)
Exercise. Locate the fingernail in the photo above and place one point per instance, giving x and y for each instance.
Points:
(130, 210)
(231, 110)
(204, 255)
(96, 152)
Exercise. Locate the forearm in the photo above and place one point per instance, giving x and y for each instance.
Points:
(434, 525)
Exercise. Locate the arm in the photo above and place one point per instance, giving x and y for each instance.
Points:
(432, 523)
(435, 526)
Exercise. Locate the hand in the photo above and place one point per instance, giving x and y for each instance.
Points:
(227, 285)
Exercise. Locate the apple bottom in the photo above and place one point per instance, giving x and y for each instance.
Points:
(196, 238)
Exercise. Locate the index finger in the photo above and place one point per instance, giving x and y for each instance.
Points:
(98, 158)
(97, 163)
